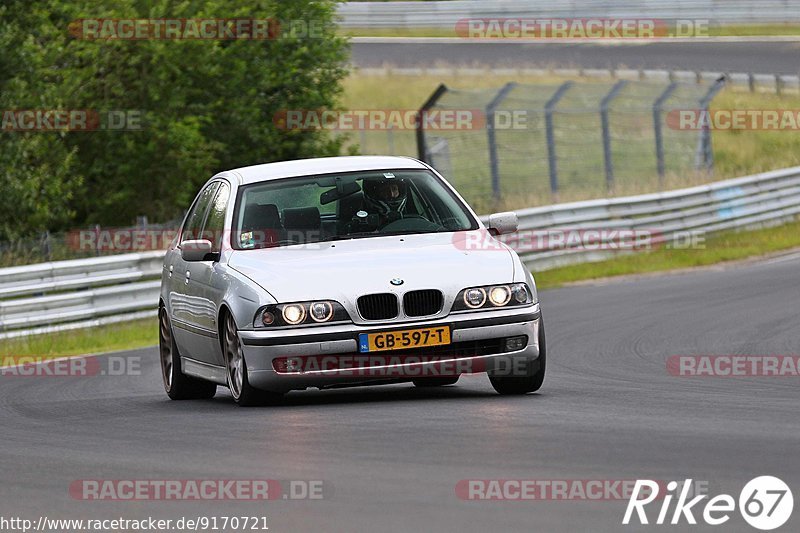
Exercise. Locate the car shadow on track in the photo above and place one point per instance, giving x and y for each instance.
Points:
(378, 394)
(368, 394)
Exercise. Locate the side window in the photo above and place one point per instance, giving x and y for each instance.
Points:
(194, 222)
(215, 223)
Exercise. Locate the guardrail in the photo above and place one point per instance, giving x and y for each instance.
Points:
(446, 14)
(62, 295)
(765, 199)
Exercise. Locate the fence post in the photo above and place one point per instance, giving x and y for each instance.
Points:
(494, 165)
(46, 245)
(422, 152)
(390, 139)
(97, 239)
(604, 104)
(704, 159)
(362, 140)
(552, 158)
(658, 108)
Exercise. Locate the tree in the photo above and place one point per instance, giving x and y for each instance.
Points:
(204, 105)
(38, 171)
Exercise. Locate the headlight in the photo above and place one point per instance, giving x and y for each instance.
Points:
(267, 318)
(300, 313)
(321, 311)
(500, 296)
(492, 297)
(520, 293)
(294, 314)
(474, 298)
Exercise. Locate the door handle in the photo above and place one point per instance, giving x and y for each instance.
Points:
(188, 274)
(171, 267)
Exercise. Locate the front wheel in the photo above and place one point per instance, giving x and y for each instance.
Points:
(236, 369)
(533, 378)
(178, 385)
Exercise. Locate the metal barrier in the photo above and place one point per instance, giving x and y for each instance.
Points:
(447, 14)
(765, 199)
(49, 297)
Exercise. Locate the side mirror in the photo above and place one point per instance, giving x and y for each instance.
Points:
(502, 223)
(196, 249)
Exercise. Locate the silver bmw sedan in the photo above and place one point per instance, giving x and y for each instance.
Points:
(343, 271)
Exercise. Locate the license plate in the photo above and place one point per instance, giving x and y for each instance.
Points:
(404, 339)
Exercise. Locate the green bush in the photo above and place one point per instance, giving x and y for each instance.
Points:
(204, 106)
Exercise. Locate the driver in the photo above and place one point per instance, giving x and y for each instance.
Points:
(385, 197)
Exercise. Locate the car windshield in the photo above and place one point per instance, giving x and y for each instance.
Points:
(346, 206)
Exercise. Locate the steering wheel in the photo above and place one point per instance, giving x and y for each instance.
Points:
(411, 223)
(451, 223)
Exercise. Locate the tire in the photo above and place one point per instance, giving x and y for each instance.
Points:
(436, 382)
(236, 370)
(178, 385)
(531, 382)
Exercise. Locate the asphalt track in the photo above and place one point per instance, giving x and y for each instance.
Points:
(769, 57)
(391, 456)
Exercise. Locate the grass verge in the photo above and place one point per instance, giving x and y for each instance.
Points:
(719, 248)
(122, 336)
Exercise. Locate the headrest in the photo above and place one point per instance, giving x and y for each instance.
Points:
(301, 218)
(261, 216)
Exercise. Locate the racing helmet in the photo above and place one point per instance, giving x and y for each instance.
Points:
(385, 195)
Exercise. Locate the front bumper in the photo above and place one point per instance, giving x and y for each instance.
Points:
(340, 343)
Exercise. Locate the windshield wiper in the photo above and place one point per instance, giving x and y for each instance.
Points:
(348, 236)
(363, 234)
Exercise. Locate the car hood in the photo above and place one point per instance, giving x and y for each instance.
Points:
(344, 270)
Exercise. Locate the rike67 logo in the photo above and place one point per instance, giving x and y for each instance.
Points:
(766, 503)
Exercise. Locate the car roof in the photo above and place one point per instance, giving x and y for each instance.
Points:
(323, 165)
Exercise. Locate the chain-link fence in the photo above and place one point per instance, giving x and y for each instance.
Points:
(571, 139)
(527, 145)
